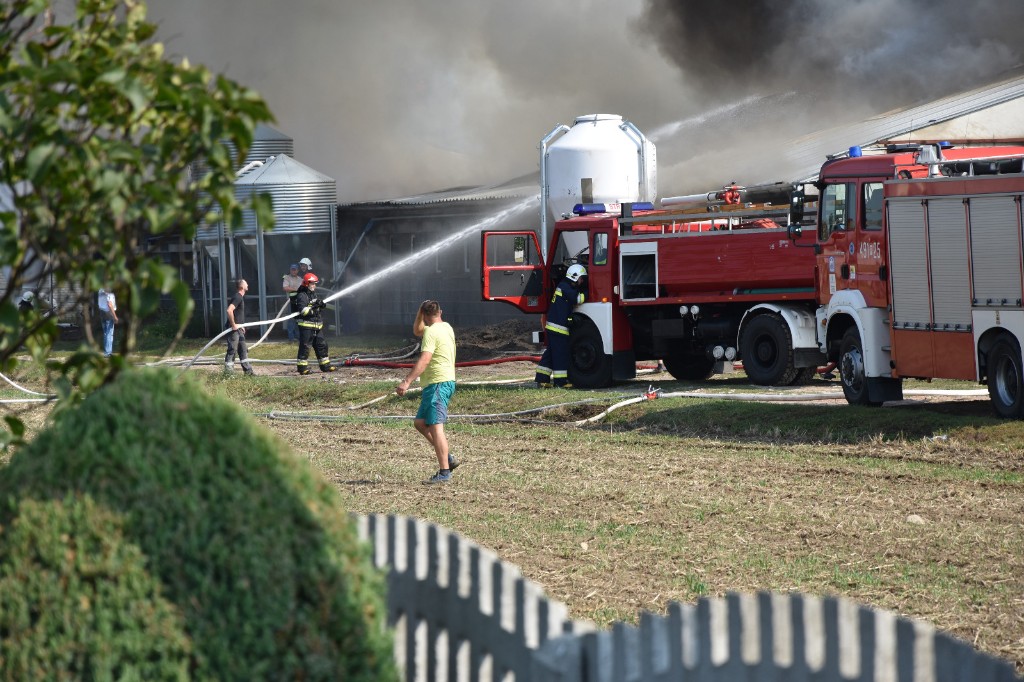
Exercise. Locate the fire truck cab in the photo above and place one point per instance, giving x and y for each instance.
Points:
(919, 270)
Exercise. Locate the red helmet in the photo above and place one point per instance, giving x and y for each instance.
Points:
(310, 278)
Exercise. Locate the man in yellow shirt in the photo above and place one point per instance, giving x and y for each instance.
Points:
(436, 364)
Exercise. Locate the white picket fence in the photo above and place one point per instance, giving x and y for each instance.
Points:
(460, 613)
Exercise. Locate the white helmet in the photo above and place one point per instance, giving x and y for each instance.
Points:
(574, 272)
(308, 263)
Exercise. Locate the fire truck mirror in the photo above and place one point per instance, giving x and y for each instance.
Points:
(795, 231)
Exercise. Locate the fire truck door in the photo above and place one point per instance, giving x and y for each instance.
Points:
(866, 253)
(835, 231)
(511, 270)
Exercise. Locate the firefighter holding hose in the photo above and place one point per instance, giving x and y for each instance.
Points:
(554, 364)
(311, 325)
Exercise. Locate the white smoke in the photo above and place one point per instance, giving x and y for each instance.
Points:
(398, 97)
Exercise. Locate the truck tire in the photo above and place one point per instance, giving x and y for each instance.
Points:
(589, 366)
(851, 370)
(766, 350)
(1005, 380)
(684, 367)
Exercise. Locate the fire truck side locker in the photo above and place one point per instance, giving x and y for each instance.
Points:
(957, 282)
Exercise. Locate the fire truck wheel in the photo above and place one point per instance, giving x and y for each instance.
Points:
(767, 351)
(851, 370)
(1005, 380)
(689, 367)
(589, 366)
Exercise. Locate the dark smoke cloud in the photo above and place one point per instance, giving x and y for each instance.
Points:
(807, 65)
(396, 97)
(875, 53)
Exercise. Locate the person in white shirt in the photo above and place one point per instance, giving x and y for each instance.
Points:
(108, 310)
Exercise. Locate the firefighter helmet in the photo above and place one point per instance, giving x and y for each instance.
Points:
(308, 263)
(310, 278)
(574, 273)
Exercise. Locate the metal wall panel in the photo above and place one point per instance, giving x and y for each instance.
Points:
(995, 250)
(909, 263)
(951, 281)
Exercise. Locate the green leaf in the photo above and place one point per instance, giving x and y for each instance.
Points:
(38, 158)
(136, 94)
(15, 426)
(113, 77)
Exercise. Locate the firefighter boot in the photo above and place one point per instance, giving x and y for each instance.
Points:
(328, 367)
(303, 371)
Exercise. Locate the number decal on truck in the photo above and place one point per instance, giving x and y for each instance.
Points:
(870, 251)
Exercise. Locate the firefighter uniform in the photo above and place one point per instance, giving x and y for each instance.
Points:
(311, 325)
(554, 364)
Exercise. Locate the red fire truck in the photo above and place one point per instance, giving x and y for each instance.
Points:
(684, 286)
(919, 271)
(914, 270)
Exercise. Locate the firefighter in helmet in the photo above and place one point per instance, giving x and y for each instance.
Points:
(554, 364)
(311, 324)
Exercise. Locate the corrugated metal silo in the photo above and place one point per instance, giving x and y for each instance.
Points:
(268, 141)
(302, 196)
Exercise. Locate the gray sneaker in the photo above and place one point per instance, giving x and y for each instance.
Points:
(453, 463)
(439, 477)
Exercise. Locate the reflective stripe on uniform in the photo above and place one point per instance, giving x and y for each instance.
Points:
(557, 328)
(311, 325)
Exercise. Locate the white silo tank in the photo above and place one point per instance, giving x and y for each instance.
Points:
(600, 159)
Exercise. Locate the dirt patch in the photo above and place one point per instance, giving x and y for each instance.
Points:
(512, 337)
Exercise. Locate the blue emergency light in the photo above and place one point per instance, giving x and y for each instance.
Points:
(592, 209)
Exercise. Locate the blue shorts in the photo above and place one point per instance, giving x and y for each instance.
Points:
(434, 402)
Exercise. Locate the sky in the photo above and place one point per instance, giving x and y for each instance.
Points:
(399, 97)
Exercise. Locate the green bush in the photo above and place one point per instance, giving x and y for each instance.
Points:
(251, 546)
(76, 601)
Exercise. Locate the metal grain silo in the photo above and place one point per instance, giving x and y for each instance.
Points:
(302, 196)
(268, 141)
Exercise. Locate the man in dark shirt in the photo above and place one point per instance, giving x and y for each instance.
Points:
(236, 337)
